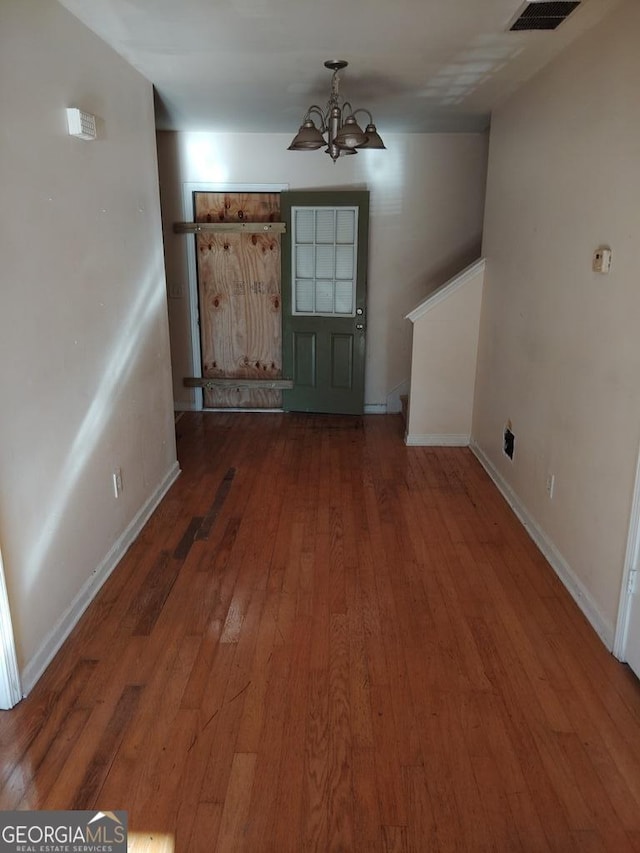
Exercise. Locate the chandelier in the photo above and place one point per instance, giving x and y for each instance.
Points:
(342, 133)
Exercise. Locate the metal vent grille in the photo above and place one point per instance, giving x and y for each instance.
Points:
(544, 16)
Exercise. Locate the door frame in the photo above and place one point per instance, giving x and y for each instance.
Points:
(10, 687)
(631, 560)
(188, 189)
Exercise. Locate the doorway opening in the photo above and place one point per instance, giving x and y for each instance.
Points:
(257, 345)
(626, 645)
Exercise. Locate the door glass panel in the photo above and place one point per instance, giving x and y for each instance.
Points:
(324, 297)
(325, 230)
(324, 261)
(304, 296)
(345, 226)
(304, 261)
(344, 262)
(324, 246)
(344, 297)
(304, 224)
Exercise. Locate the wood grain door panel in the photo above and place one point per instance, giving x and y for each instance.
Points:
(239, 298)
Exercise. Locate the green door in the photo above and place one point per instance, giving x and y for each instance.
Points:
(324, 275)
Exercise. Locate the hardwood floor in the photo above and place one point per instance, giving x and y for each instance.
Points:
(324, 640)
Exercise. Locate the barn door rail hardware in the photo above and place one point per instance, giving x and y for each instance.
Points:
(211, 384)
(229, 227)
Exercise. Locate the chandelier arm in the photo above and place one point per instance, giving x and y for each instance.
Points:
(314, 109)
(362, 110)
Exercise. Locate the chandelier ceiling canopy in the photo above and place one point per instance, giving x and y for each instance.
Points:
(337, 130)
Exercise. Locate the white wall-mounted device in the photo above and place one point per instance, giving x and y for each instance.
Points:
(81, 124)
(602, 260)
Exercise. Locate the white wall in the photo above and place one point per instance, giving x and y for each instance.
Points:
(559, 350)
(443, 362)
(427, 196)
(85, 370)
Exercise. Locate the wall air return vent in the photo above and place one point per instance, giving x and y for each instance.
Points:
(544, 16)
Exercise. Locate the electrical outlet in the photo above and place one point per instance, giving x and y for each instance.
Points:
(551, 484)
(117, 482)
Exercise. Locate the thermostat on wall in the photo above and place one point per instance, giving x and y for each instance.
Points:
(81, 124)
(602, 260)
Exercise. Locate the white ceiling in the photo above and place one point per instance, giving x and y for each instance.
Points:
(255, 65)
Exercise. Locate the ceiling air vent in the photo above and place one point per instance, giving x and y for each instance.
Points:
(544, 16)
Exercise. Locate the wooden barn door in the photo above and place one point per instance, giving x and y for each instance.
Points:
(239, 298)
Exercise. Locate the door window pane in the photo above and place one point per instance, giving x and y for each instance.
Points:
(324, 297)
(344, 262)
(344, 297)
(304, 262)
(304, 297)
(325, 229)
(324, 261)
(345, 226)
(324, 246)
(304, 225)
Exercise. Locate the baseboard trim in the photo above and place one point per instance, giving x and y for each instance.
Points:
(436, 440)
(180, 406)
(240, 410)
(573, 584)
(369, 409)
(35, 668)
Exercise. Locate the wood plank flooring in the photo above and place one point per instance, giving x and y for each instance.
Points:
(326, 641)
